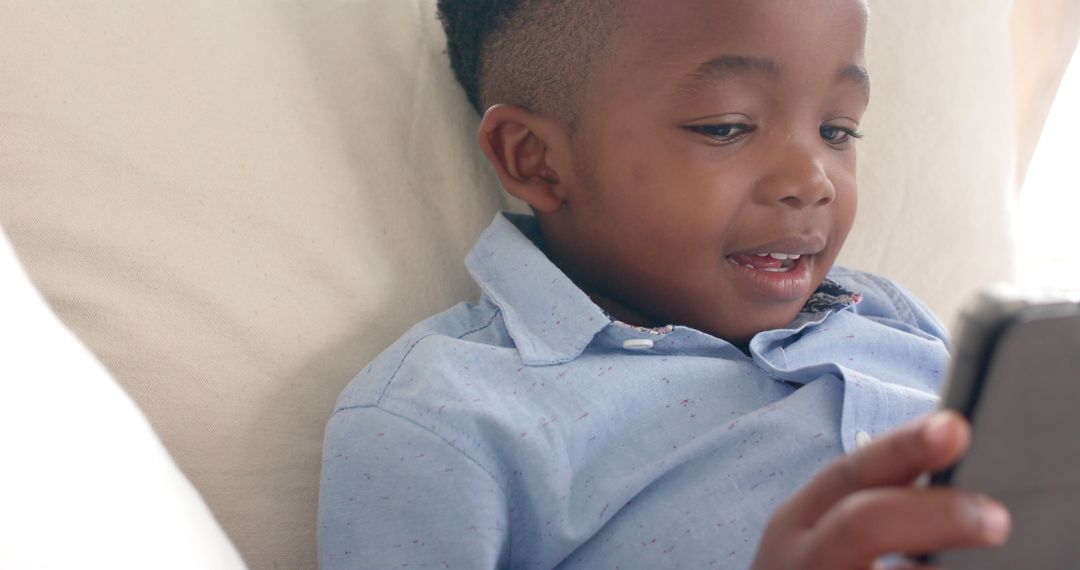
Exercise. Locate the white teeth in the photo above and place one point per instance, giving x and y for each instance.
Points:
(784, 269)
(784, 256)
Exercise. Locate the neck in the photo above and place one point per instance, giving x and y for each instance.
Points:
(580, 277)
(621, 311)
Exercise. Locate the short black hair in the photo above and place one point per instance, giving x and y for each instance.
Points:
(534, 54)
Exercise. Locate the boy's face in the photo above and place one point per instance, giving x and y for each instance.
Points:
(713, 132)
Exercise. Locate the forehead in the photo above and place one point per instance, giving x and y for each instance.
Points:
(674, 37)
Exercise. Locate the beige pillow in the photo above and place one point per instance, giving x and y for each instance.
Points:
(236, 205)
(936, 170)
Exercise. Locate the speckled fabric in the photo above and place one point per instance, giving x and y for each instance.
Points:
(519, 432)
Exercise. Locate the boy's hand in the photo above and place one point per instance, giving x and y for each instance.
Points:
(864, 505)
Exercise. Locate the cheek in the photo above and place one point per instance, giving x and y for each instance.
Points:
(847, 203)
(853, 206)
(843, 218)
(631, 182)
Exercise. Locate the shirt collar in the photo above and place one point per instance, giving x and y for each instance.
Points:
(549, 317)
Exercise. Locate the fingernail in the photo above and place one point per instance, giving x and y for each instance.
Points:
(937, 428)
(996, 522)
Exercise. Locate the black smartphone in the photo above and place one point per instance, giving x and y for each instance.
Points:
(1015, 375)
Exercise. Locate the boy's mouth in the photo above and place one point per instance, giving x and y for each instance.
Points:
(773, 277)
(778, 271)
(772, 262)
(780, 256)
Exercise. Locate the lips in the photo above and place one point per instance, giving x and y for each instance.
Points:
(779, 270)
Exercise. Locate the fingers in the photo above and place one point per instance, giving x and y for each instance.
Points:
(864, 506)
(876, 522)
(929, 444)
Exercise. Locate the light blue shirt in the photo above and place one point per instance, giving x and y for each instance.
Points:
(523, 431)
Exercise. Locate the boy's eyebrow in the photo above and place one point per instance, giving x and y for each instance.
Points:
(857, 73)
(725, 66)
(722, 67)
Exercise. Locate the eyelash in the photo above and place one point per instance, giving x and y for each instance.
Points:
(725, 137)
(847, 133)
(722, 133)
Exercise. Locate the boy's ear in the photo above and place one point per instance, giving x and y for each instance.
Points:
(524, 149)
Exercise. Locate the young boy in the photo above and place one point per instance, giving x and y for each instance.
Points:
(664, 369)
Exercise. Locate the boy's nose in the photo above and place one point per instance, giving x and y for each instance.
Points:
(798, 180)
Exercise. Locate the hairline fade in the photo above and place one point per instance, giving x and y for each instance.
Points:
(535, 54)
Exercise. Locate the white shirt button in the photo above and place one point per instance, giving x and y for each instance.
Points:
(862, 439)
(637, 344)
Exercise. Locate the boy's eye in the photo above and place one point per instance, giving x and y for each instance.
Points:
(723, 133)
(838, 135)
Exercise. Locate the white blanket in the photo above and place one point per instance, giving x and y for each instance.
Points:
(85, 483)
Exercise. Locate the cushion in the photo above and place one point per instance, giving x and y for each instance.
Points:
(936, 172)
(236, 205)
